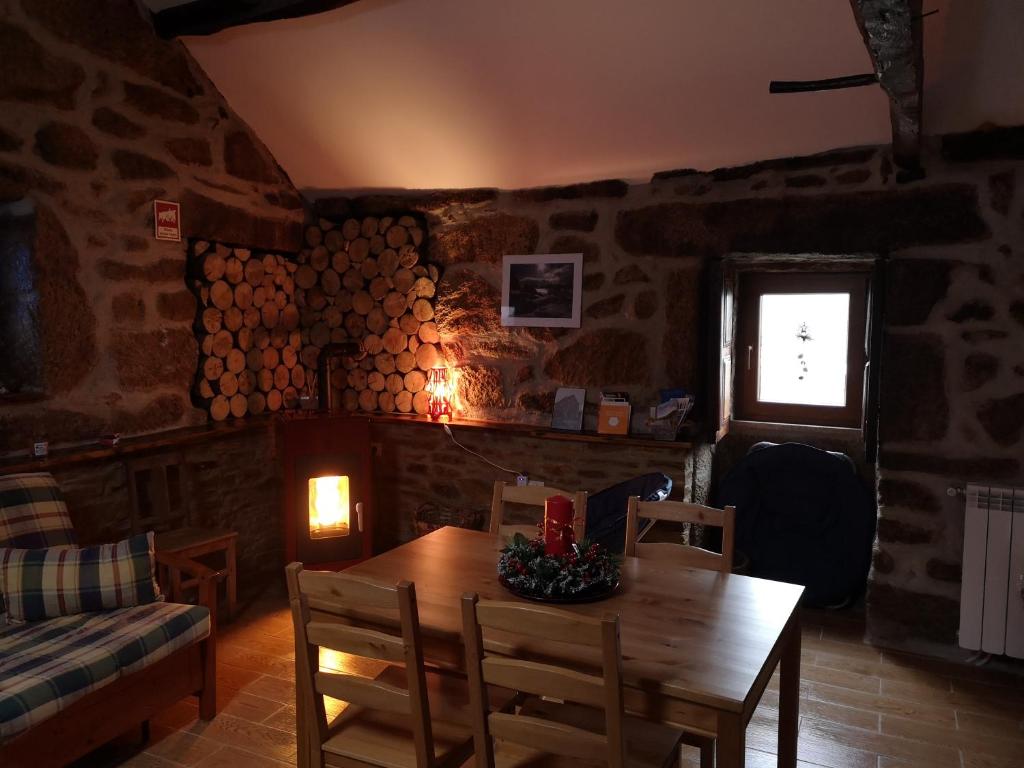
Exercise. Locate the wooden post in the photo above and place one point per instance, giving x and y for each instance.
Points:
(789, 693)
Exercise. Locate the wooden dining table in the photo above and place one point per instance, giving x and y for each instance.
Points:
(699, 647)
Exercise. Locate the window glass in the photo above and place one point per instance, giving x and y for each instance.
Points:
(802, 348)
(20, 363)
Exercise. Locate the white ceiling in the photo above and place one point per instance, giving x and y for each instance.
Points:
(516, 93)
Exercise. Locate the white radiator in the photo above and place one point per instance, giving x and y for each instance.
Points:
(992, 591)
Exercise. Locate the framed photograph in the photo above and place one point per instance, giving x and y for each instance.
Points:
(568, 413)
(544, 290)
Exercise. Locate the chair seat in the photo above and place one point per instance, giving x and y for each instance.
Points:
(648, 745)
(186, 538)
(386, 739)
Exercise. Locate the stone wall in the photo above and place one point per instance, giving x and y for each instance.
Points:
(417, 463)
(236, 481)
(628, 322)
(952, 397)
(99, 118)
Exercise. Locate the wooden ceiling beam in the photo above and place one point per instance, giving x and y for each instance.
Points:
(893, 35)
(206, 17)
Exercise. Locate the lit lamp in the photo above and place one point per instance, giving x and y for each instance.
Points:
(439, 388)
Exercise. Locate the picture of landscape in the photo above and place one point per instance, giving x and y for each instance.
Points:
(542, 290)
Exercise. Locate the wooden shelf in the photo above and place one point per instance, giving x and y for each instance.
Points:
(536, 431)
(175, 438)
(131, 446)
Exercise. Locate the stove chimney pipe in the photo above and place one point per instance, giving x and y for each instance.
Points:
(345, 349)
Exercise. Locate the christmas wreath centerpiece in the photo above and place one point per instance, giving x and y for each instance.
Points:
(585, 572)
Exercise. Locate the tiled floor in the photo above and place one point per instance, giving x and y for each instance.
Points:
(860, 707)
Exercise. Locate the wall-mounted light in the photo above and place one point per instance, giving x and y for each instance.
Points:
(439, 387)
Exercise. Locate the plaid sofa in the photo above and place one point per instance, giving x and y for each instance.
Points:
(45, 666)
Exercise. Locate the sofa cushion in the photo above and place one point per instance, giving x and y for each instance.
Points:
(46, 666)
(32, 515)
(45, 583)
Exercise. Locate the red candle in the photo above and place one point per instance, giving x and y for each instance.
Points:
(558, 536)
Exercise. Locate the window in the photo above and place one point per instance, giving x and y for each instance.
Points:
(20, 367)
(800, 341)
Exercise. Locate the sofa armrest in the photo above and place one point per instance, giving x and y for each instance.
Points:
(205, 579)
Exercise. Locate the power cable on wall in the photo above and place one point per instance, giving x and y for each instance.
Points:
(448, 431)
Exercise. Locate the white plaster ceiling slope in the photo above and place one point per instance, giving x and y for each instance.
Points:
(517, 93)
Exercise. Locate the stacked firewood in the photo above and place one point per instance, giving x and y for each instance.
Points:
(364, 280)
(248, 331)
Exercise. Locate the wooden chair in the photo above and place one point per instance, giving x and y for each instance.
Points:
(159, 488)
(687, 556)
(680, 512)
(387, 722)
(534, 496)
(571, 713)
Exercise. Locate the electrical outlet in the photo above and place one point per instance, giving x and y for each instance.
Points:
(536, 482)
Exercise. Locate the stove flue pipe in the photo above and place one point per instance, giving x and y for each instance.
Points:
(345, 349)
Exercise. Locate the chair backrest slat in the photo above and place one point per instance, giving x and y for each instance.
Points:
(539, 621)
(346, 592)
(340, 593)
(555, 737)
(368, 643)
(694, 557)
(681, 512)
(533, 496)
(363, 691)
(544, 680)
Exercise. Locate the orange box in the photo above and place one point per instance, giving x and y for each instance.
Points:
(613, 418)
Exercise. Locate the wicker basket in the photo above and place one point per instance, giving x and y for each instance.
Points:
(429, 517)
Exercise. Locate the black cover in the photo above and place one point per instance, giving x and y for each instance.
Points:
(606, 510)
(803, 516)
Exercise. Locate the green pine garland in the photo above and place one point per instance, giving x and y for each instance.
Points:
(587, 570)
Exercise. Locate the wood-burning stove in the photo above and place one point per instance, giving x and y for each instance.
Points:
(328, 511)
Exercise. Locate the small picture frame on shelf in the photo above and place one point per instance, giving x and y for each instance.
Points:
(568, 411)
(613, 414)
(543, 291)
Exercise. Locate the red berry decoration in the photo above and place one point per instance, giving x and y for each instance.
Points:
(586, 572)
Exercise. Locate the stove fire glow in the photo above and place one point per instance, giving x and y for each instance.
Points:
(328, 507)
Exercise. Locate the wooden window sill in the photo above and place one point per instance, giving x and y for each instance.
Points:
(785, 429)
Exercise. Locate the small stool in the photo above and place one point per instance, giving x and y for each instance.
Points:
(196, 542)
